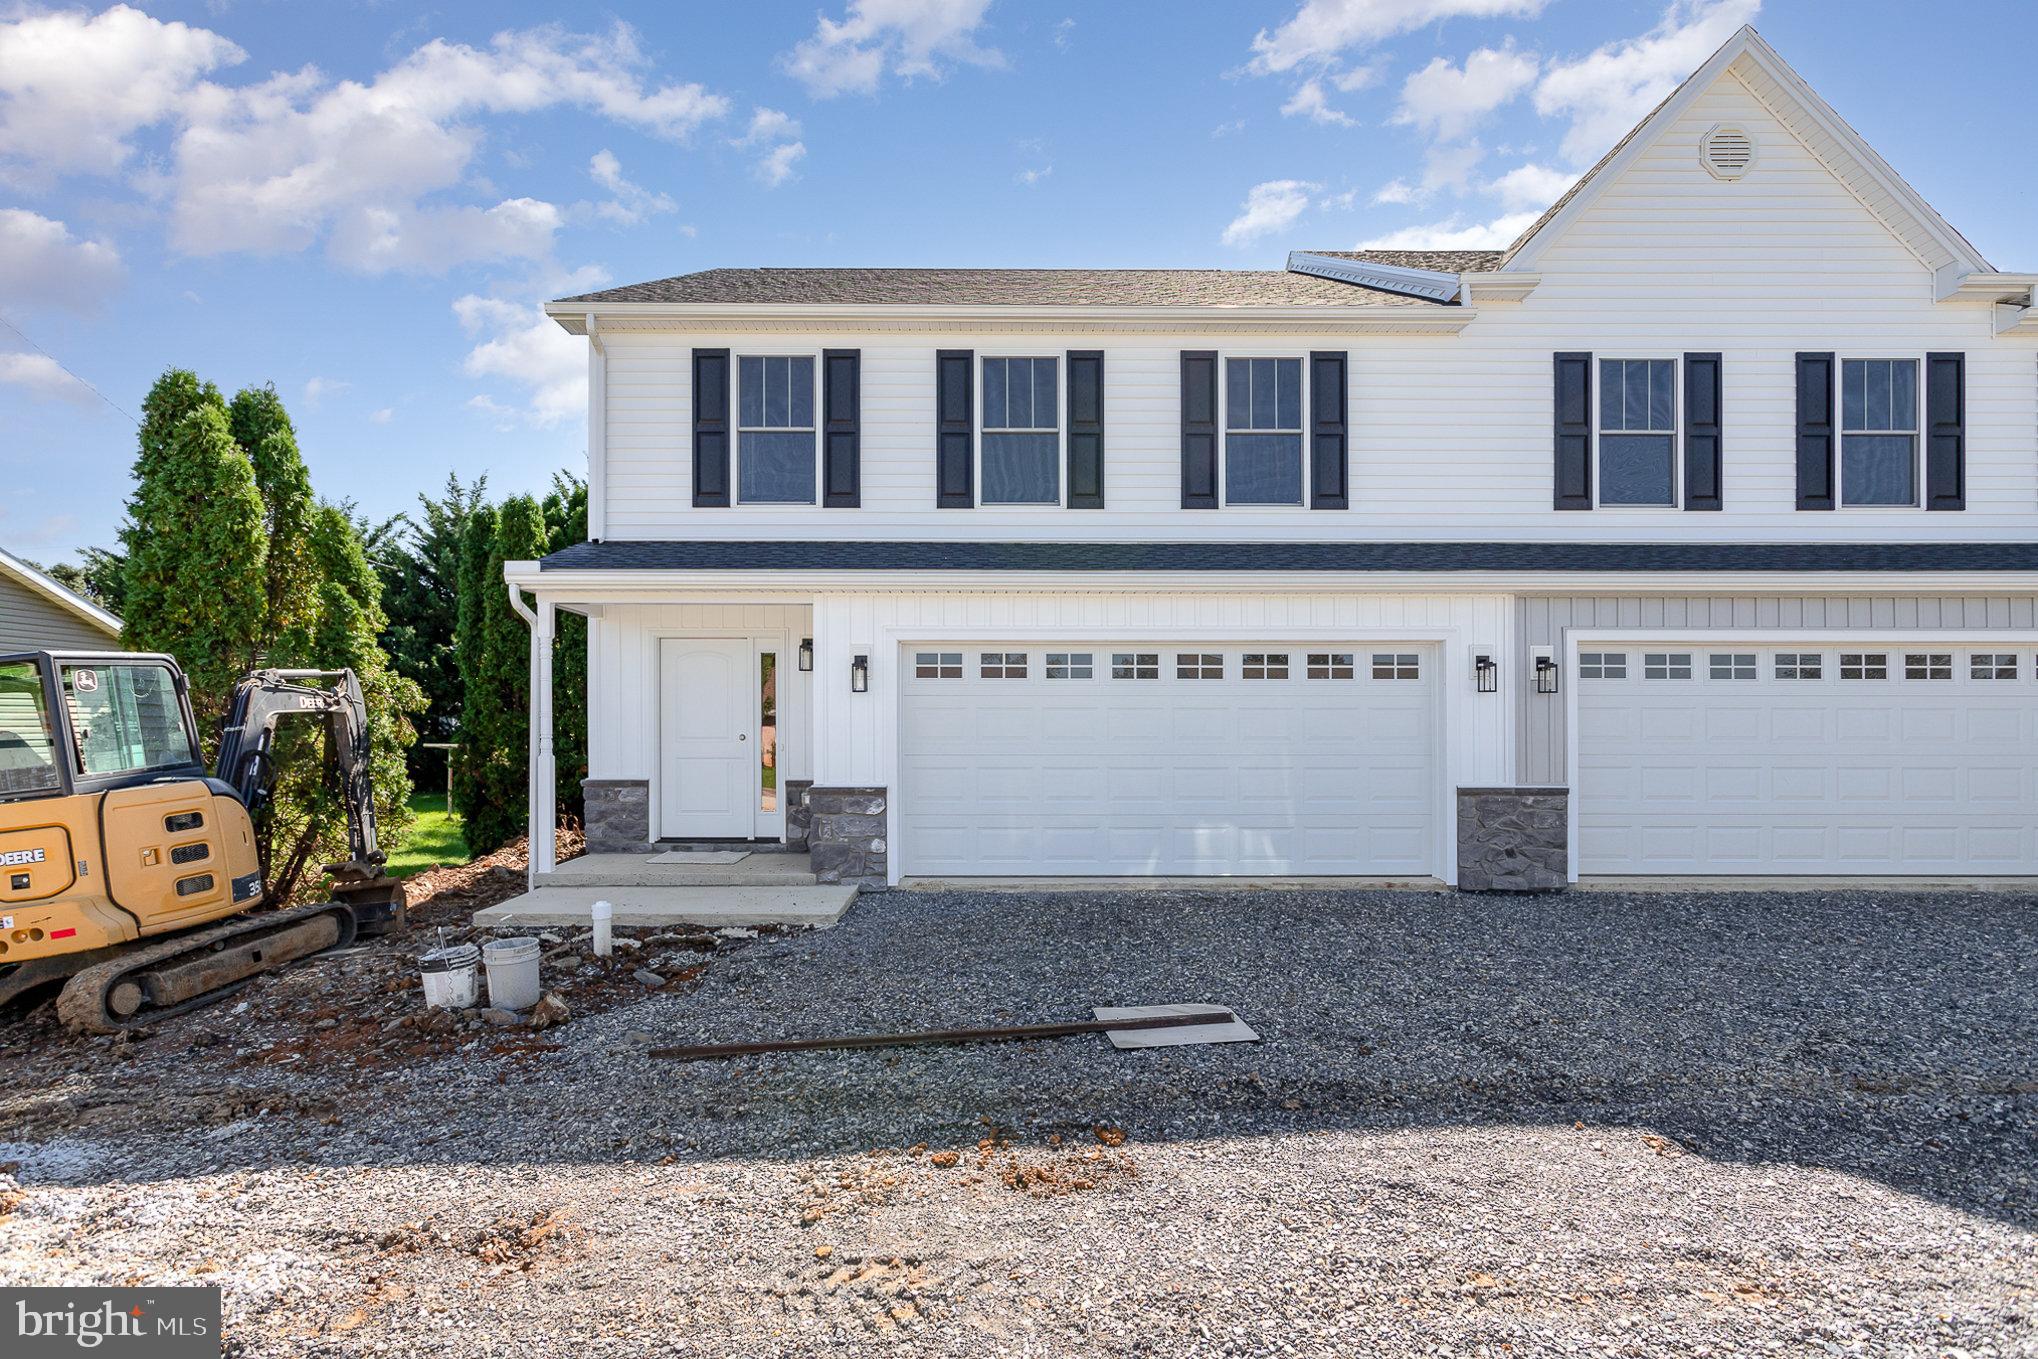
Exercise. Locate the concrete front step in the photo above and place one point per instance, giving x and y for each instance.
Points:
(639, 906)
(599, 871)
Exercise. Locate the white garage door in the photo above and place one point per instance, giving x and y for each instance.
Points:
(1807, 758)
(1138, 759)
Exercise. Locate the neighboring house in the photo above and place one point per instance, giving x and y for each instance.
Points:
(38, 614)
(1712, 500)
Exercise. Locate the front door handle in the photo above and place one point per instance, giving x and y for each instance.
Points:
(742, 735)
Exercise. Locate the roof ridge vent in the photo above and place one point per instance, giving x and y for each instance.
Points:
(1431, 284)
(1727, 150)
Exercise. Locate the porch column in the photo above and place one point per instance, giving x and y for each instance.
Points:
(544, 799)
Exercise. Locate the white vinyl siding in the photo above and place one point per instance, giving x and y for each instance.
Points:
(1449, 434)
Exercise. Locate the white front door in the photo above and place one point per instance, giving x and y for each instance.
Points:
(706, 716)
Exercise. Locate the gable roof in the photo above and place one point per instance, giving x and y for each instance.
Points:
(1796, 105)
(13, 568)
(1001, 287)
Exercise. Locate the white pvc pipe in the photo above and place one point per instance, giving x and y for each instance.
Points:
(604, 940)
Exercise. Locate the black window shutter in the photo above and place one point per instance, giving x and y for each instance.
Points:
(842, 428)
(1199, 429)
(1574, 431)
(1945, 431)
(1703, 476)
(1815, 431)
(954, 429)
(1329, 442)
(710, 427)
(1086, 429)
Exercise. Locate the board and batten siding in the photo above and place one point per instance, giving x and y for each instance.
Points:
(1449, 434)
(1544, 620)
(622, 679)
(30, 622)
(857, 737)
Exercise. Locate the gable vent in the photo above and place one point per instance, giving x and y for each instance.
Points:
(1727, 151)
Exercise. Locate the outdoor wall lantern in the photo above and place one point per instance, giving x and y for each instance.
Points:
(806, 654)
(859, 675)
(1486, 674)
(1546, 674)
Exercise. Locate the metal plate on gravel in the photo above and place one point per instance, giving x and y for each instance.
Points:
(1233, 1032)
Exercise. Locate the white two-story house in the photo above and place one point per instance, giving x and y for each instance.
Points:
(1696, 532)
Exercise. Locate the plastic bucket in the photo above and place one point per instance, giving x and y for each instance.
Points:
(449, 975)
(512, 973)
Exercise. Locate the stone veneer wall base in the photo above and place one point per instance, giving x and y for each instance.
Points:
(799, 818)
(1514, 839)
(849, 839)
(617, 819)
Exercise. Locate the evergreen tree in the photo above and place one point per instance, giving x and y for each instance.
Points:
(495, 722)
(263, 430)
(193, 584)
(477, 544)
(565, 511)
(420, 570)
(96, 577)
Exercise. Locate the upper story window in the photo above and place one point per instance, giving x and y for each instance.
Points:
(1263, 431)
(1021, 446)
(775, 429)
(1638, 432)
(1879, 432)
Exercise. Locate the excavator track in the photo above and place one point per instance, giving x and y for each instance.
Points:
(187, 971)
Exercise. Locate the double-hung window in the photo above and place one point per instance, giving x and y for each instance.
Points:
(1638, 432)
(1263, 431)
(1022, 431)
(1879, 432)
(775, 429)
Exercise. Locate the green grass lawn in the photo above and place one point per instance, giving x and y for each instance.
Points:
(435, 839)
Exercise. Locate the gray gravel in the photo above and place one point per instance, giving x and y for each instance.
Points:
(1598, 1124)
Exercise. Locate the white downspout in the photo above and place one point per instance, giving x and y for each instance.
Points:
(597, 434)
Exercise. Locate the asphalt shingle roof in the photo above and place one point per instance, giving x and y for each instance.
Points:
(1291, 556)
(1443, 261)
(1004, 287)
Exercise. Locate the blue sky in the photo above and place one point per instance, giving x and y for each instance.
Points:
(364, 205)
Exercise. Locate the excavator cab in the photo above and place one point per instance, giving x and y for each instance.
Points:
(116, 845)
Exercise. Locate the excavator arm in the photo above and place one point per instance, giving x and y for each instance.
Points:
(261, 703)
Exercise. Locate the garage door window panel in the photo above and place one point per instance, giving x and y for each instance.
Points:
(1864, 665)
(1733, 665)
(1001, 665)
(1263, 431)
(1268, 665)
(1879, 432)
(1638, 433)
(1135, 665)
(1602, 665)
(1399, 665)
(1997, 665)
(937, 665)
(1199, 665)
(1800, 665)
(1928, 665)
(1331, 665)
(1666, 665)
(1068, 665)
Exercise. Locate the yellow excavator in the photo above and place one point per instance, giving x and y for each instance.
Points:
(127, 871)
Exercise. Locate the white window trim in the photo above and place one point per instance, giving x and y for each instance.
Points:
(739, 428)
(1061, 431)
(1676, 362)
(1916, 359)
(1224, 430)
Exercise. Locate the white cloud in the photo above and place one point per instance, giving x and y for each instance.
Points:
(907, 38)
(1309, 101)
(75, 87)
(1031, 177)
(527, 348)
(277, 165)
(43, 264)
(1531, 186)
(1453, 233)
(1450, 167)
(1448, 101)
(319, 388)
(630, 203)
(44, 379)
(777, 166)
(1269, 207)
(382, 416)
(1322, 31)
(1395, 191)
(769, 126)
(1606, 93)
(1061, 33)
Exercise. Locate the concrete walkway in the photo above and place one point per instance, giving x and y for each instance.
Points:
(810, 905)
(640, 870)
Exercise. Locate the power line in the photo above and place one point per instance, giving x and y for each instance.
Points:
(68, 373)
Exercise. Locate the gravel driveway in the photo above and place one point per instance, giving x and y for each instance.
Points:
(1596, 1124)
